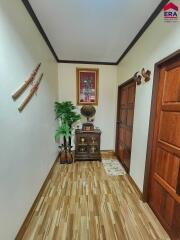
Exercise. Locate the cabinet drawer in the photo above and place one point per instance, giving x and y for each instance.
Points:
(93, 149)
(94, 139)
(82, 139)
(82, 149)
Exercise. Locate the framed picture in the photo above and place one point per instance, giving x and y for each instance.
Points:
(87, 86)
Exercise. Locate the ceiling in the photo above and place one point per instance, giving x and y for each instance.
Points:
(96, 30)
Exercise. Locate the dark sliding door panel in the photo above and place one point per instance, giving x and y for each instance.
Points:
(124, 125)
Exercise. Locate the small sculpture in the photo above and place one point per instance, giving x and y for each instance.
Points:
(137, 78)
(88, 111)
(146, 74)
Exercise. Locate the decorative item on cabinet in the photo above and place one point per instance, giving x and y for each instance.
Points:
(88, 111)
(26, 83)
(88, 127)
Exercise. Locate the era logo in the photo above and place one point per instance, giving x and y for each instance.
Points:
(170, 11)
(170, 14)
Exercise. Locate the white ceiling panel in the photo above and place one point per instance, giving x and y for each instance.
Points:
(96, 30)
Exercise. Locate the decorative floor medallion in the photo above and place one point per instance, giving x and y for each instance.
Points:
(113, 167)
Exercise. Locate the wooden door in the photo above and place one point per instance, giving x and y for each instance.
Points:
(164, 178)
(124, 126)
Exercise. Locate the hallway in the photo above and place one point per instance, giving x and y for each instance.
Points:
(81, 80)
(80, 201)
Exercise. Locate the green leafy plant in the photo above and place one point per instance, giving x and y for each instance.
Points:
(65, 111)
(66, 114)
(63, 130)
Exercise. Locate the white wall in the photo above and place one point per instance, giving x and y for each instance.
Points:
(159, 40)
(27, 149)
(106, 109)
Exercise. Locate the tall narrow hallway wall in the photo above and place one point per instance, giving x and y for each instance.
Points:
(159, 40)
(27, 148)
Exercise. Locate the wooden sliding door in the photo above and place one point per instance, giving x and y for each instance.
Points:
(163, 188)
(124, 124)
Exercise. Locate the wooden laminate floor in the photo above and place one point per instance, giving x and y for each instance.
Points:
(81, 202)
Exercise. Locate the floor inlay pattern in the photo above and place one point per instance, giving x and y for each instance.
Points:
(82, 202)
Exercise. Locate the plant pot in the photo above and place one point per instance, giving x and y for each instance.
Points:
(65, 157)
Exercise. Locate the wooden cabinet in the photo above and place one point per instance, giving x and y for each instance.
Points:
(87, 145)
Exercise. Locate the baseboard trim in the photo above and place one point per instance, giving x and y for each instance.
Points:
(136, 188)
(112, 152)
(28, 218)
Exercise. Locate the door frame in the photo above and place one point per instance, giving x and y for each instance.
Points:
(157, 68)
(131, 80)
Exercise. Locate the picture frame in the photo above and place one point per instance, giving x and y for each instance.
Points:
(87, 86)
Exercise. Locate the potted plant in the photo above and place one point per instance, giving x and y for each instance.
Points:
(66, 115)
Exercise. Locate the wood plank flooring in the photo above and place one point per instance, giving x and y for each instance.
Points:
(81, 202)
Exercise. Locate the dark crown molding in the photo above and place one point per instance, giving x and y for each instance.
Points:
(139, 34)
(87, 62)
(143, 29)
(38, 25)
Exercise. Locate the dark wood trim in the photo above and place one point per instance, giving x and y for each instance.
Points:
(30, 214)
(40, 28)
(150, 134)
(124, 166)
(139, 34)
(126, 82)
(152, 120)
(109, 152)
(87, 62)
(168, 58)
(143, 29)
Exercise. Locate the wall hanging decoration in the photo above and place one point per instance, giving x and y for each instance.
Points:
(87, 86)
(145, 75)
(26, 83)
(137, 78)
(31, 94)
